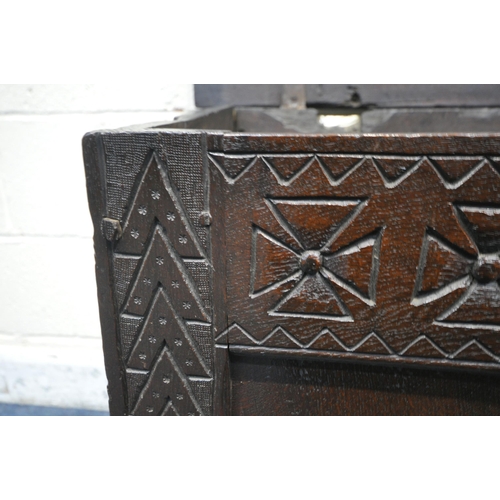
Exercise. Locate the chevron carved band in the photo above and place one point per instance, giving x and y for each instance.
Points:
(162, 302)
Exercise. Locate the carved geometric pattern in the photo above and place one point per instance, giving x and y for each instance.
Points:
(360, 255)
(373, 344)
(163, 326)
(156, 202)
(314, 269)
(483, 225)
(167, 390)
(394, 169)
(163, 360)
(321, 250)
(458, 169)
(287, 168)
(318, 237)
(158, 256)
(444, 269)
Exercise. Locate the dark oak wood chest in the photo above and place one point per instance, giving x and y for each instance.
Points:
(303, 273)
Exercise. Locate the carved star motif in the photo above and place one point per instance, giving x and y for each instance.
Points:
(444, 268)
(314, 224)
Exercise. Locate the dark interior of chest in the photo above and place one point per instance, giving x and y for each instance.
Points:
(350, 109)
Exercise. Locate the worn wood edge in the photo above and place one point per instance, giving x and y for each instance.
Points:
(217, 209)
(222, 382)
(364, 359)
(95, 178)
(222, 118)
(422, 144)
(378, 143)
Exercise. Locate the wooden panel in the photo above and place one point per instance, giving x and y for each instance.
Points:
(368, 256)
(153, 255)
(428, 120)
(351, 95)
(394, 96)
(279, 120)
(279, 386)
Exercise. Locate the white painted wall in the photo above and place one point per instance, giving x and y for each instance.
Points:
(50, 346)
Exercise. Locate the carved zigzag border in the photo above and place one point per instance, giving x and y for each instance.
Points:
(264, 344)
(315, 159)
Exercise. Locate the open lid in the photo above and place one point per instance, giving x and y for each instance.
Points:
(348, 95)
(365, 108)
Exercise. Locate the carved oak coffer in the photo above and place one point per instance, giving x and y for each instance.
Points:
(247, 273)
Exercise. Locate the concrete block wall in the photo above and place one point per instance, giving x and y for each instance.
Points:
(50, 346)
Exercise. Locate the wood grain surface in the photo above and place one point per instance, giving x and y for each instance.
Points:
(280, 386)
(391, 255)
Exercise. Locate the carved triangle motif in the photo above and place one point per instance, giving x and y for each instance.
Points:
(443, 268)
(272, 262)
(395, 168)
(166, 384)
(454, 169)
(313, 222)
(162, 326)
(313, 296)
(156, 201)
(355, 267)
(483, 225)
(339, 166)
(160, 256)
(287, 166)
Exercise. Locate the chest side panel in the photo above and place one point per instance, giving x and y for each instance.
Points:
(156, 195)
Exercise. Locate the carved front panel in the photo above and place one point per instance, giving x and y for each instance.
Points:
(390, 257)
